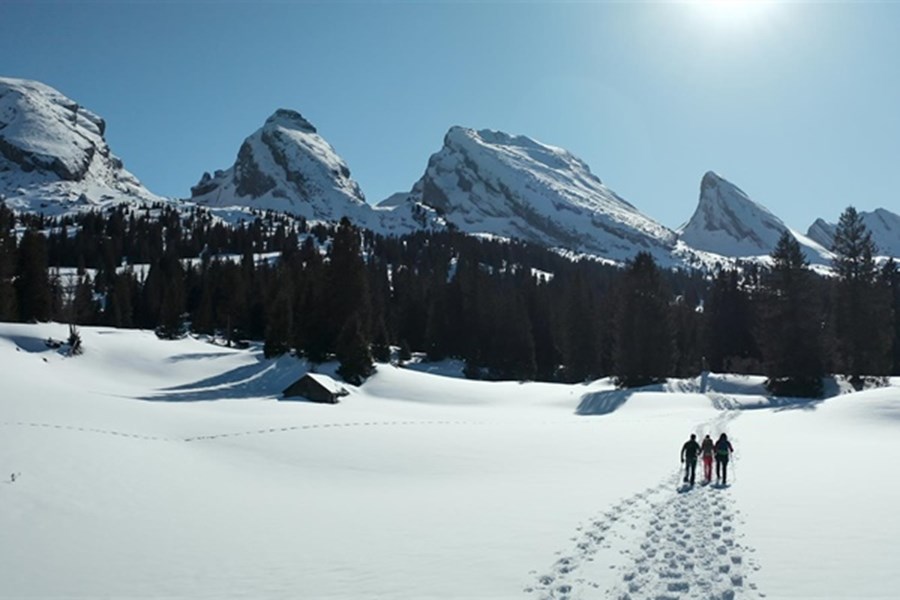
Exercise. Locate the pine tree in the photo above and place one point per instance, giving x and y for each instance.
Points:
(405, 354)
(381, 349)
(864, 321)
(353, 353)
(32, 283)
(8, 310)
(279, 320)
(169, 316)
(792, 331)
(84, 309)
(579, 328)
(890, 278)
(687, 325)
(643, 338)
(729, 342)
(346, 290)
(120, 300)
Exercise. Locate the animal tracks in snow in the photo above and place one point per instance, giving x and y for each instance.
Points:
(86, 429)
(264, 431)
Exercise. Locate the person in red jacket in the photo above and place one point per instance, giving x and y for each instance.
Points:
(723, 450)
(706, 452)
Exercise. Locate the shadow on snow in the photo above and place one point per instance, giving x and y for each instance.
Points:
(265, 378)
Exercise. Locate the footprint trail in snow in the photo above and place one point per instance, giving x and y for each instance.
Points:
(664, 543)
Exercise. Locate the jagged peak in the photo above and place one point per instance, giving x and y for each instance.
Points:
(289, 119)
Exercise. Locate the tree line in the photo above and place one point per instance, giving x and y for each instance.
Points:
(508, 309)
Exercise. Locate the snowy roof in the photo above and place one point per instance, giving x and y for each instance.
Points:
(327, 382)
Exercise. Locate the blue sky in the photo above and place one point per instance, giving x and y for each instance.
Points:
(796, 103)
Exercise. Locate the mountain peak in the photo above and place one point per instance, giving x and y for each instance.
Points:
(729, 223)
(53, 152)
(882, 223)
(289, 119)
(711, 179)
(287, 166)
(486, 181)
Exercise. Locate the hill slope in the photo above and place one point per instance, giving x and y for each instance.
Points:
(184, 476)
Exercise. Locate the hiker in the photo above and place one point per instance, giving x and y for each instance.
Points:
(723, 453)
(707, 448)
(689, 458)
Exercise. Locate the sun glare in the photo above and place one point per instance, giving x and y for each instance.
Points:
(733, 14)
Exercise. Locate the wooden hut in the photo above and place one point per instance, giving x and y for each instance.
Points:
(316, 387)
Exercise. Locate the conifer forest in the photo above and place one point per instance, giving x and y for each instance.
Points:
(508, 309)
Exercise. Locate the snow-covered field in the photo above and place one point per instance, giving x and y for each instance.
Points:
(147, 468)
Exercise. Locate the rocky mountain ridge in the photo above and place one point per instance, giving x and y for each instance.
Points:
(513, 186)
(53, 154)
(54, 158)
(728, 223)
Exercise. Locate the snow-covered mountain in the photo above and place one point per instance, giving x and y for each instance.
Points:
(53, 155)
(728, 223)
(884, 225)
(491, 182)
(287, 166)
(54, 158)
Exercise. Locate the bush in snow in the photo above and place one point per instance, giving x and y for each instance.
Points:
(74, 341)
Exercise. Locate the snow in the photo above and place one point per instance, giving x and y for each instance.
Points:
(56, 158)
(883, 224)
(149, 468)
(327, 382)
(490, 182)
(728, 223)
(56, 161)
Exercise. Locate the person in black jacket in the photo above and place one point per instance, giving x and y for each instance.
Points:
(723, 450)
(689, 453)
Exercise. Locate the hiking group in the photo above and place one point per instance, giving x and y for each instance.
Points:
(720, 450)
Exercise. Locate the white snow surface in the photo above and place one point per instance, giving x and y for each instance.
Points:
(53, 156)
(491, 182)
(728, 223)
(169, 469)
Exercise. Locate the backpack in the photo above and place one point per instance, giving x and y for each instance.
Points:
(722, 447)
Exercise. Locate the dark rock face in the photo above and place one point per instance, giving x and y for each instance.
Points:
(204, 186)
(276, 144)
(250, 180)
(53, 154)
(69, 170)
(290, 119)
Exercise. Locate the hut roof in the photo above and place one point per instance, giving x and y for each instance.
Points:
(327, 382)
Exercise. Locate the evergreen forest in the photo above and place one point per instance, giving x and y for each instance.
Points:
(508, 309)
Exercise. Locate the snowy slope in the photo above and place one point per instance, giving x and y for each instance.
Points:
(884, 225)
(183, 476)
(287, 166)
(53, 156)
(513, 186)
(727, 222)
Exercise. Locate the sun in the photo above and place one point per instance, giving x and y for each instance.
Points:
(733, 14)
